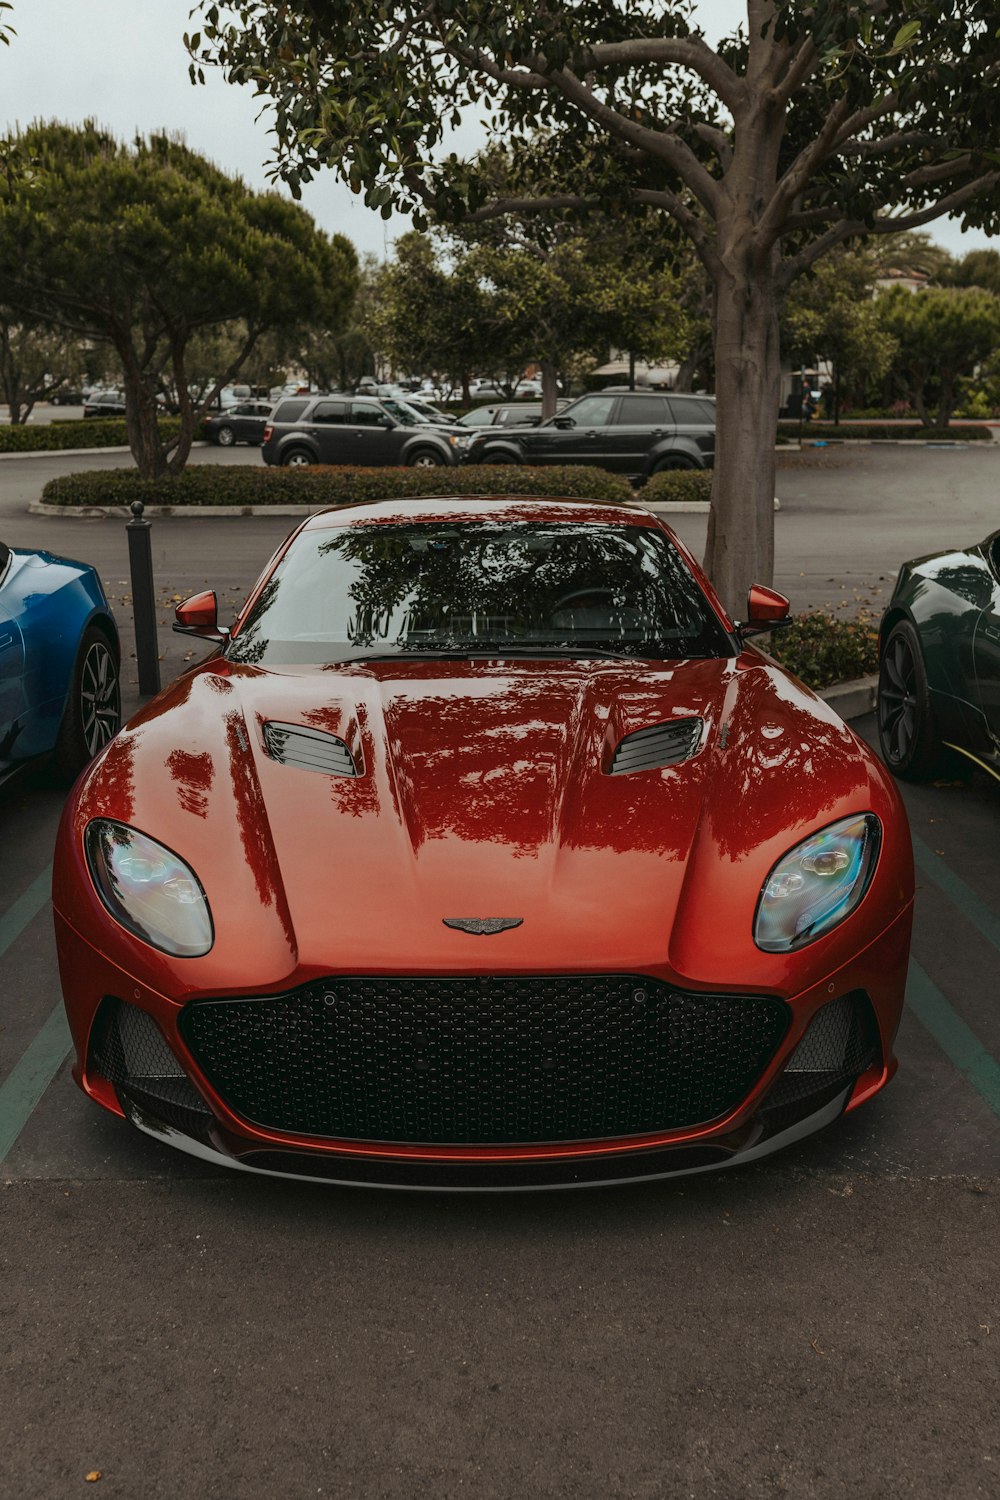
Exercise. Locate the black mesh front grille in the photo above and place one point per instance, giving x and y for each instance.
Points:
(127, 1049)
(484, 1060)
(840, 1043)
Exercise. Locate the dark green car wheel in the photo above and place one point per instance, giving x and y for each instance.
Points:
(908, 736)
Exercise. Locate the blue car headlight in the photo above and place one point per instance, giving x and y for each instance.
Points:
(817, 884)
(148, 889)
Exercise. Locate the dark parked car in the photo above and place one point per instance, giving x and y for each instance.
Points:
(510, 414)
(638, 433)
(104, 404)
(244, 423)
(365, 430)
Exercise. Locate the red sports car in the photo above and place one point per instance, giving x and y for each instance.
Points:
(483, 852)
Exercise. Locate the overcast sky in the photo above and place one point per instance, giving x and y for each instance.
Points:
(123, 62)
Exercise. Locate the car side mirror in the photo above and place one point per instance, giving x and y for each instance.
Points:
(199, 616)
(563, 422)
(766, 610)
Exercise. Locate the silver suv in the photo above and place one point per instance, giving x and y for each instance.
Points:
(362, 431)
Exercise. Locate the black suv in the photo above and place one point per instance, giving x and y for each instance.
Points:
(358, 430)
(638, 433)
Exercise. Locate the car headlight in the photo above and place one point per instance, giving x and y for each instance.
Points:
(148, 889)
(817, 884)
(459, 440)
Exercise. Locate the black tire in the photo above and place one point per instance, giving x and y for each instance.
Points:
(93, 712)
(425, 458)
(674, 461)
(225, 437)
(493, 459)
(908, 736)
(297, 458)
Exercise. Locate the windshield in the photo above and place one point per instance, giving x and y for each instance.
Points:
(479, 588)
(405, 414)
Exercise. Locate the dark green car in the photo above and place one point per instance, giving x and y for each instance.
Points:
(939, 664)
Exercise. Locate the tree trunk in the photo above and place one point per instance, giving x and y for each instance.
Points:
(140, 417)
(740, 548)
(550, 389)
(946, 399)
(466, 393)
(684, 379)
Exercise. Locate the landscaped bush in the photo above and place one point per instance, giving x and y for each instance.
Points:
(98, 432)
(825, 431)
(253, 484)
(679, 484)
(822, 649)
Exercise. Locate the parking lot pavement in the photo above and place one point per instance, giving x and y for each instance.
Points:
(824, 1323)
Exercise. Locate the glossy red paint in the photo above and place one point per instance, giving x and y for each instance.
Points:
(483, 780)
(199, 615)
(765, 606)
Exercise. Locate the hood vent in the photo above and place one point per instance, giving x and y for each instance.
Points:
(308, 749)
(659, 745)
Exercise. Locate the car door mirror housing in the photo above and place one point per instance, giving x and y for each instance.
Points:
(199, 616)
(766, 610)
(563, 422)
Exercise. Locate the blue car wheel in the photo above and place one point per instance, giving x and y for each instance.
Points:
(93, 711)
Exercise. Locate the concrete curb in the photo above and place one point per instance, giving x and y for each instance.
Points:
(852, 700)
(154, 512)
(80, 452)
(159, 512)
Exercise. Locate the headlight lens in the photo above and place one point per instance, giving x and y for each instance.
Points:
(148, 889)
(459, 440)
(817, 884)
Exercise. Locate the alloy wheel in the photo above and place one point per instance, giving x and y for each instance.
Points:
(100, 698)
(897, 700)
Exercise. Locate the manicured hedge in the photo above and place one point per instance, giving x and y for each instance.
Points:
(98, 432)
(678, 484)
(825, 431)
(822, 649)
(257, 484)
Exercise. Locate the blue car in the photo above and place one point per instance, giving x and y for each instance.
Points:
(60, 659)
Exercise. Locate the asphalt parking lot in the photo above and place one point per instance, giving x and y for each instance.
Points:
(824, 1323)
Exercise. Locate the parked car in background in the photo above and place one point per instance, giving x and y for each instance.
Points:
(362, 430)
(59, 662)
(430, 412)
(243, 423)
(507, 414)
(104, 404)
(638, 434)
(68, 397)
(939, 664)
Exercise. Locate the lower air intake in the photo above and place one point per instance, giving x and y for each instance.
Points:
(127, 1048)
(841, 1042)
(484, 1060)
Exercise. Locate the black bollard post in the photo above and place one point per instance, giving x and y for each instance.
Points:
(140, 558)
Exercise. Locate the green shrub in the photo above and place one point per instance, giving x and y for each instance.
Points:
(98, 432)
(258, 484)
(679, 484)
(822, 649)
(825, 431)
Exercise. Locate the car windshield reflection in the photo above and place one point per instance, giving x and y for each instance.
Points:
(479, 588)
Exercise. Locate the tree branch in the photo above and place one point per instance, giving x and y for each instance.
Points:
(691, 52)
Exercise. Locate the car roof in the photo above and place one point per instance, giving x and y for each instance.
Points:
(453, 508)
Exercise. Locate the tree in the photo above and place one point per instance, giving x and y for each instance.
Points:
(144, 247)
(978, 268)
(833, 313)
(822, 121)
(942, 332)
(35, 362)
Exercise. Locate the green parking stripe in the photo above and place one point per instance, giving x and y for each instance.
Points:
(31, 1076)
(25, 908)
(952, 1035)
(964, 897)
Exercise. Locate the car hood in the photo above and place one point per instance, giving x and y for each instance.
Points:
(485, 792)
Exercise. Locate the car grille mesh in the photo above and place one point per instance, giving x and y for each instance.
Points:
(484, 1060)
(127, 1048)
(841, 1042)
(659, 745)
(308, 749)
